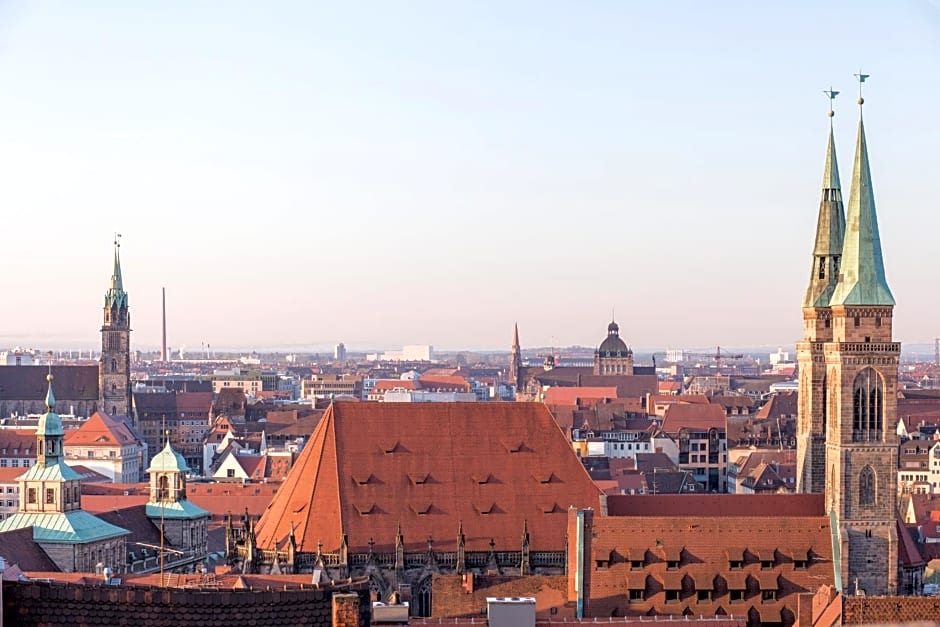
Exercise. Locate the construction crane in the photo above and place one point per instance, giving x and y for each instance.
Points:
(719, 357)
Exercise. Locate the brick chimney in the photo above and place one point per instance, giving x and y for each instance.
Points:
(345, 610)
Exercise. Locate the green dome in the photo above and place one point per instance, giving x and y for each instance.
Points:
(168, 460)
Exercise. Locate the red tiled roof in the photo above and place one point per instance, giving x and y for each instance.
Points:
(101, 430)
(780, 405)
(717, 505)
(693, 416)
(384, 385)
(574, 395)
(429, 466)
(444, 383)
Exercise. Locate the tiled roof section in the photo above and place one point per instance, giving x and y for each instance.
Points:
(889, 610)
(18, 547)
(245, 600)
(385, 385)
(17, 442)
(101, 430)
(74, 526)
(694, 417)
(195, 402)
(134, 519)
(690, 554)
(494, 466)
(574, 395)
(717, 505)
(219, 499)
(909, 554)
(77, 383)
(155, 402)
(627, 386)
(444, 383)
(780, 405)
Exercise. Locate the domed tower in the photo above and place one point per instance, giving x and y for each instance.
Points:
(114, 367)
(613, 356)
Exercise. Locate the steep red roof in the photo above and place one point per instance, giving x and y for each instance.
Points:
(429, 466)
(100, 430)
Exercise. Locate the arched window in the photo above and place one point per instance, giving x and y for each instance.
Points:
(114, 365)
(866, 486)
(825, 403)
(163, 488)
(867, 406)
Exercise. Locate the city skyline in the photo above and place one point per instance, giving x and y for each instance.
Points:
(312, 175)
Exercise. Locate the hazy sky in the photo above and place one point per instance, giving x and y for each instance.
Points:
(301, 173)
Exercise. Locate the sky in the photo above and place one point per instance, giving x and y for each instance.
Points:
(423, 172)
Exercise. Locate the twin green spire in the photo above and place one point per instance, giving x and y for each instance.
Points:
(848, 268)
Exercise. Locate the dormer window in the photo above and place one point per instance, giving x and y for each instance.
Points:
(672, 564)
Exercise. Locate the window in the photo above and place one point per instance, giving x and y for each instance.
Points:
(768, 596)
(230, 472)
(31, 495)
(672, 596)
(799, 564)
(704, 596)
(822, 267)
(736, 564)
(766, 564)
(736, 596)
(866, 486)
(637, 595)
(672, 564)
(50, 496)
(867, 406)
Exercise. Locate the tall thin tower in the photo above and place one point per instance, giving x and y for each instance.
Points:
(163, 355)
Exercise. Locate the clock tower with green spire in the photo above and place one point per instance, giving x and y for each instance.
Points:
(114, 367)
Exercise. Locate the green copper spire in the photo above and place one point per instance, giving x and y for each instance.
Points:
(116, 295)
(862, 281)
(830, 228)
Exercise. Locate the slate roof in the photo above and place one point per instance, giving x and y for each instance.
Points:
(429, 466)
(28, 383)
(17, 547)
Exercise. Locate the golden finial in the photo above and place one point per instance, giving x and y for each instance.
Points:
(831, 94)
(861, 79)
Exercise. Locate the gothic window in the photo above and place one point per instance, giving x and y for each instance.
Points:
(825, 403)
(422, 598)
(822, 267)
(867, 406)
(866, 486)
(114, 365)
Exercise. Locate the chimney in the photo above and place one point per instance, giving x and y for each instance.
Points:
(163, 355)
(345, 610)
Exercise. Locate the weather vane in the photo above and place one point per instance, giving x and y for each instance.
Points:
(832, 96)
(861, 79)
(117, 240)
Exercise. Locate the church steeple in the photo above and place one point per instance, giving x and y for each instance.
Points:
(49, 433)
(116, 296)
(515, 357)
(862, 279)
(114, 367)
(830, 228)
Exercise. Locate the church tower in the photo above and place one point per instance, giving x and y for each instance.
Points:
(515, 358)
(861, 361)
(184, 524)
(114, 367)
(817, 324)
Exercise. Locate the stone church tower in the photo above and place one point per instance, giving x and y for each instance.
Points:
(817, 326)
(515, 359)
(114, 367)
(859, 392)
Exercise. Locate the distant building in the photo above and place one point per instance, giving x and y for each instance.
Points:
(339, 353)
(108, 446)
